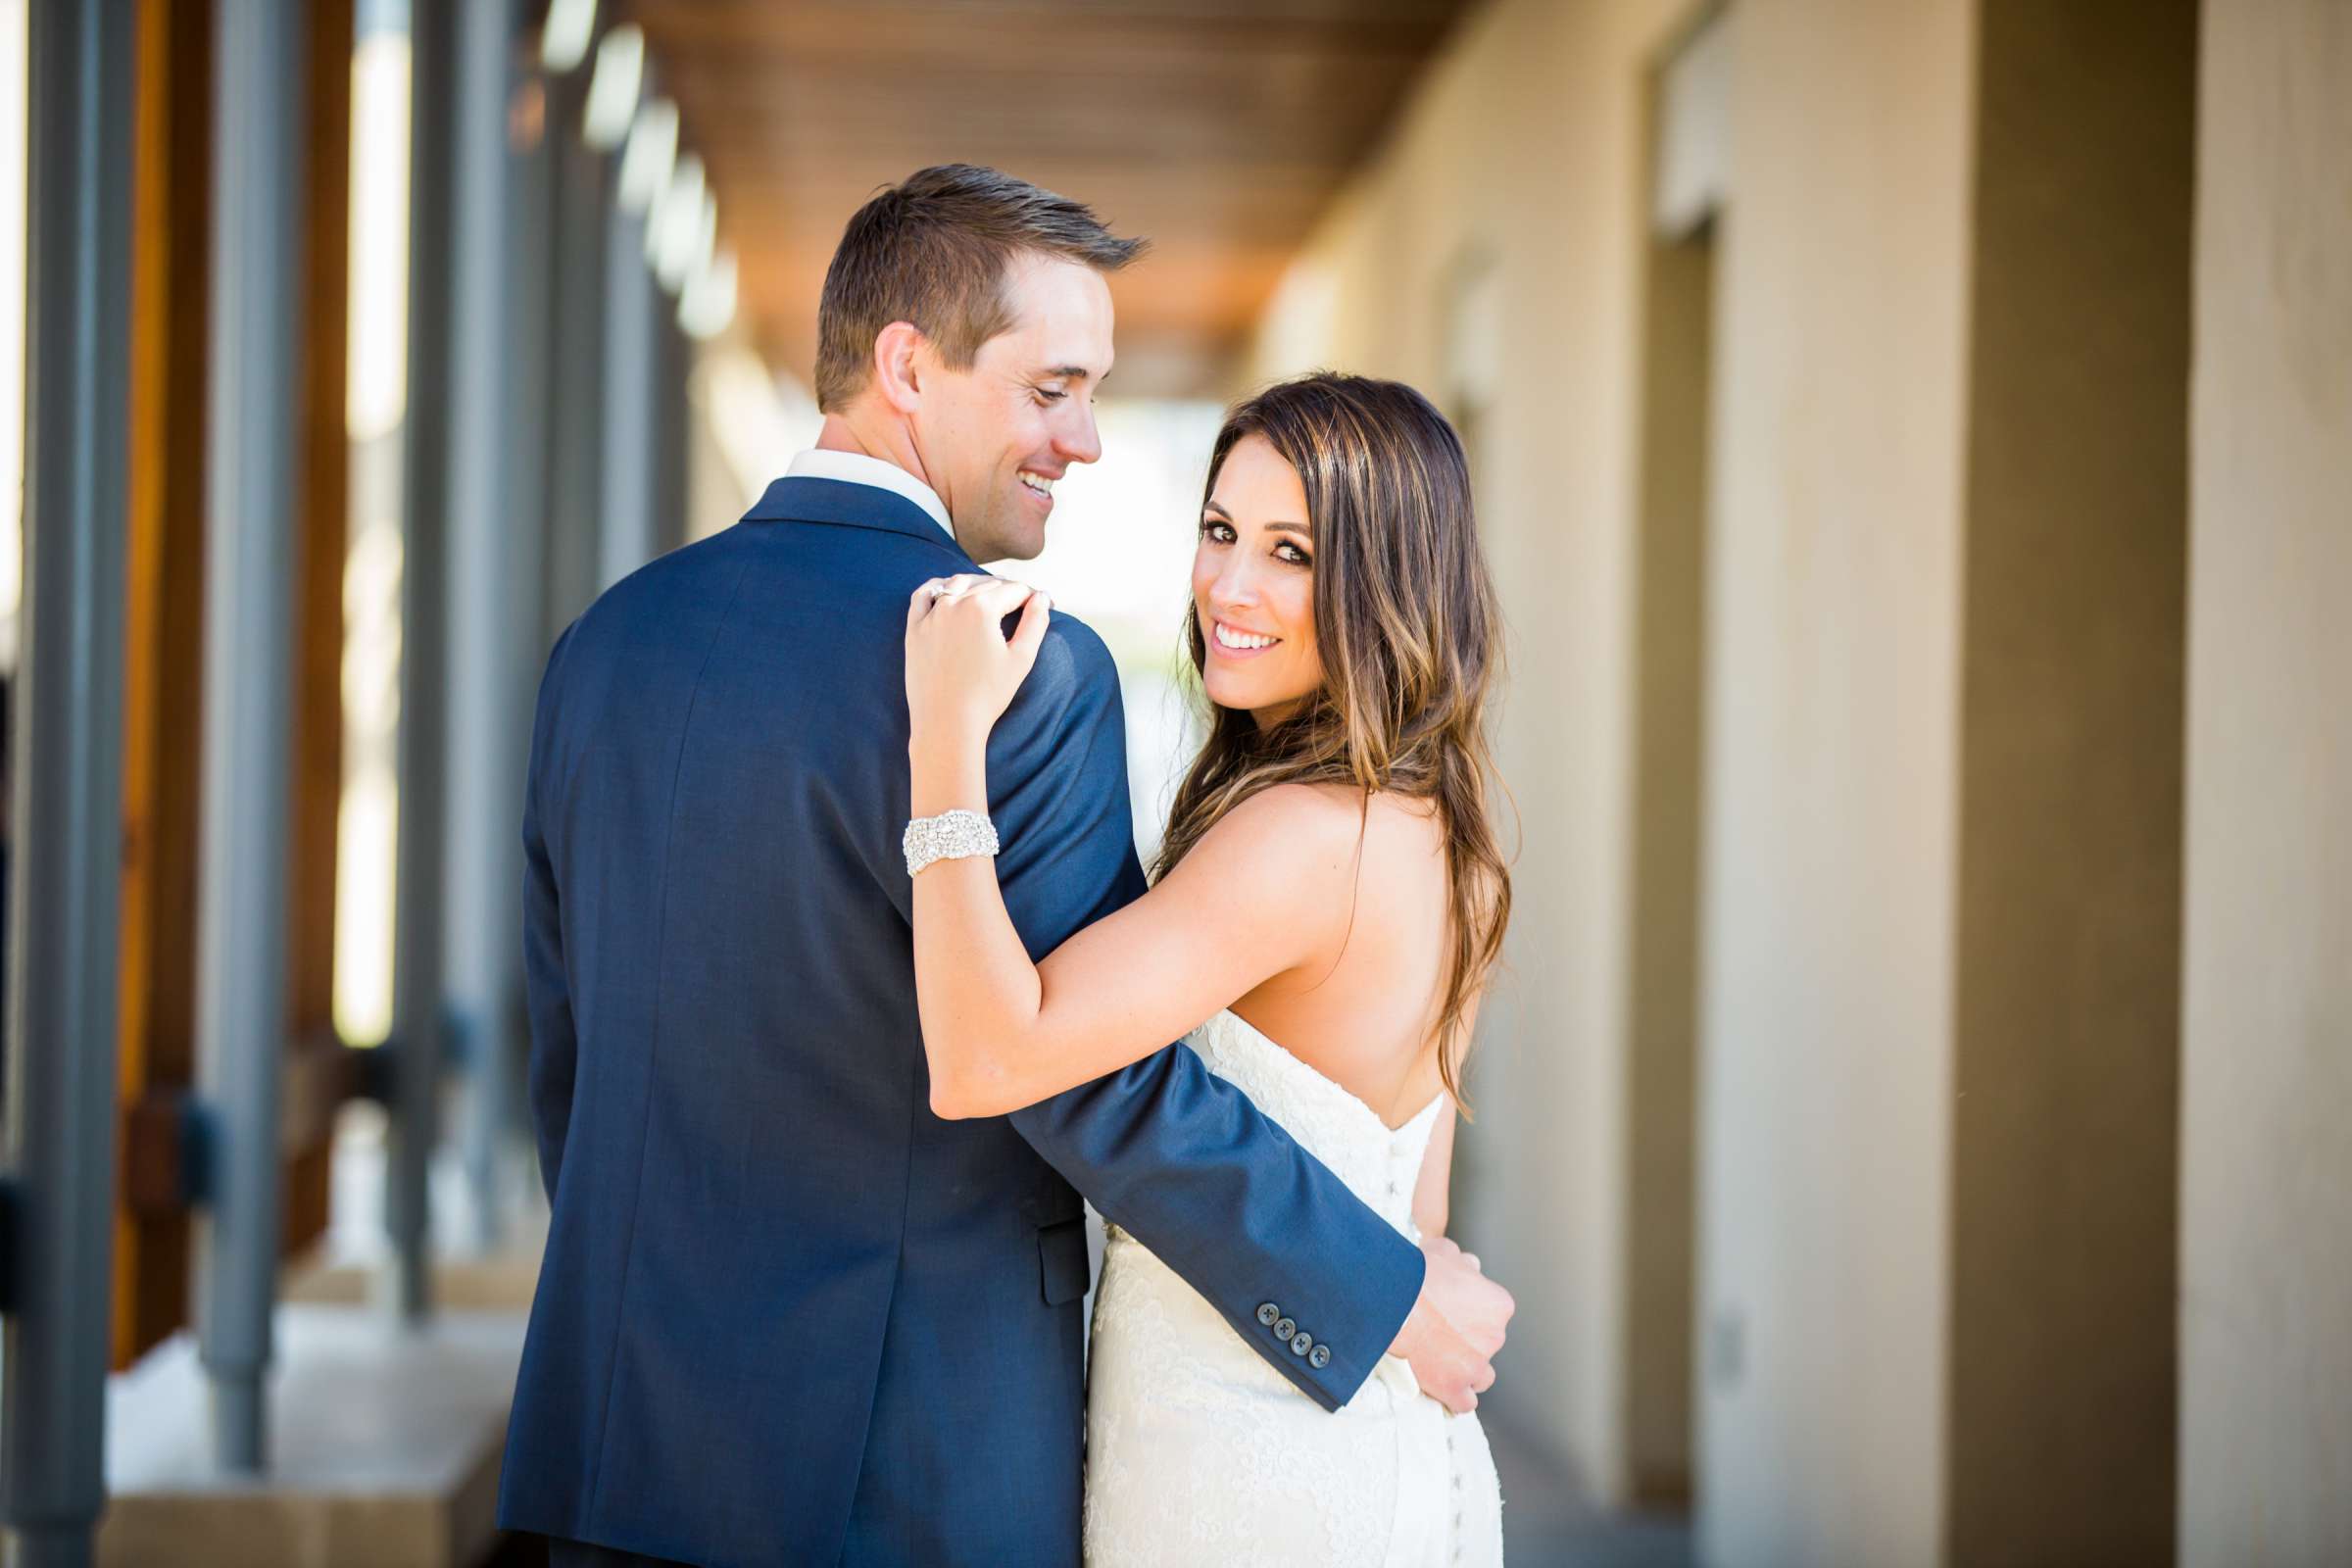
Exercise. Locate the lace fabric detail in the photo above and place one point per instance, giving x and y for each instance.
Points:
(1198, 1452)
(1381, 1166)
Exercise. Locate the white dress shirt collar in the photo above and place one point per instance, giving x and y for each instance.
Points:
(855, 468)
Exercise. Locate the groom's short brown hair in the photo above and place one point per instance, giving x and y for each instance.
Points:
(932, 251)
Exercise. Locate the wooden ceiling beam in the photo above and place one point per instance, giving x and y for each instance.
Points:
(1220, 129)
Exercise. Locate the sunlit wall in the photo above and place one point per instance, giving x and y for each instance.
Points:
(13, 105)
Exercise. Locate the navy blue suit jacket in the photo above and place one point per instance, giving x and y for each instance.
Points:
(787, 1315)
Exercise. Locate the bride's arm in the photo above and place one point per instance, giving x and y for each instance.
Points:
(1252, 901)
(1267, 892)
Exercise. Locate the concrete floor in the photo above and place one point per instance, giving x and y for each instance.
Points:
(386, 1447)
(1546, 1524)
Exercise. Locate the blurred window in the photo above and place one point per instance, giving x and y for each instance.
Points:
(1693, 165)
(374, 416)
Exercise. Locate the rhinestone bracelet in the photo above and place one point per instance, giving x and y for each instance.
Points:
(949, 836)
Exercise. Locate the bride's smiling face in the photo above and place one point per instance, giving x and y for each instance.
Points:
(1253, 585)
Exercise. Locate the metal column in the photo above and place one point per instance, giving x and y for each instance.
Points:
(497, 464)
(69, 779)
(523, 616)
(419, 898)
(632, 437)
(673, 417)
(247, 697)
(583, 204)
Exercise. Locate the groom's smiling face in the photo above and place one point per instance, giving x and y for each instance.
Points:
(995, 438)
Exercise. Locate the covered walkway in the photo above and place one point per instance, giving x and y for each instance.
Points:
(1913, 443)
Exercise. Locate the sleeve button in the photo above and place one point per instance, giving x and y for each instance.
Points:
(1320, 1358)
(1267, 1312)
(1302, 1342)
(1284, 1330)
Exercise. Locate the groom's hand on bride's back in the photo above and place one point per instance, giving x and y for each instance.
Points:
(1455, 1327)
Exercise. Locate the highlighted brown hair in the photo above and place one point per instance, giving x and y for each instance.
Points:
(1410, 638)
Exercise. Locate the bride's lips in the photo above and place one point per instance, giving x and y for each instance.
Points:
(1219, 630)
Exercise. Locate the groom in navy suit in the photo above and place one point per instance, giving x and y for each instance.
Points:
(787, 1315)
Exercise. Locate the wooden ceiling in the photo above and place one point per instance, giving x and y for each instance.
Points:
(1220, 129)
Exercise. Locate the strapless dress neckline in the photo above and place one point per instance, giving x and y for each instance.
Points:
(1428, 1111)
(1381, 1164)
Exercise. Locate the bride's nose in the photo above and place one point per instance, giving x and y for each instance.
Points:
(1235, 584)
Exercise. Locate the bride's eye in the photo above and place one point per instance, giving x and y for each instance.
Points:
(1221, 532)
(1294, 556)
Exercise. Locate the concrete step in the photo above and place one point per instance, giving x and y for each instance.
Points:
(384, 1447)
(497, 1282)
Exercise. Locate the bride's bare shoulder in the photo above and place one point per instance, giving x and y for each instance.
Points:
(1288, 823)
(1294, 830)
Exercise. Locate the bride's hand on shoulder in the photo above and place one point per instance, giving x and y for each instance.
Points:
(961, 670)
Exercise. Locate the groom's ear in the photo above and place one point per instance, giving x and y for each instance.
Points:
(896, 374)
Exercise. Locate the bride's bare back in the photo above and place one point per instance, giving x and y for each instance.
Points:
(1363, 1008)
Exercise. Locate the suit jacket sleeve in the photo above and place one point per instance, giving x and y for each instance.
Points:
(555, 1048)
(1172, 1154)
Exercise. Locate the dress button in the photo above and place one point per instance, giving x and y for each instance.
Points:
(1320, 1358)
(1284, 1330)
(1302, 1342)
(1267, 1312)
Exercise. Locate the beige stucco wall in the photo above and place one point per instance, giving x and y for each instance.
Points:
(2059, 1370)
(1828, 934)
(1522, 150)
(2266, 1380)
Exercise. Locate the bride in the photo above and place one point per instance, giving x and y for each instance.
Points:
(1330, 899)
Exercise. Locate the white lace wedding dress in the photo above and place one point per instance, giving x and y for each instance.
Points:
(1198, 1452)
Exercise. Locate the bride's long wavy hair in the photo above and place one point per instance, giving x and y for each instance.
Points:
(1411, 646)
